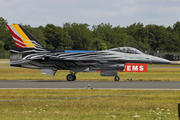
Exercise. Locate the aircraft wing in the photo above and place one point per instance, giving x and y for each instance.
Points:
(86, 60)
(76, 57)
(81, 57)
(73, 59)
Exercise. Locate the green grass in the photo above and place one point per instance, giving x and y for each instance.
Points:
(4, 64)
(148, 106)
(38, 104)
(4, 59)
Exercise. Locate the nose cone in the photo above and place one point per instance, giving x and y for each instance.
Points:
(158, 60)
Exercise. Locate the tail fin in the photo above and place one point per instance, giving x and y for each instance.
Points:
(23, 38)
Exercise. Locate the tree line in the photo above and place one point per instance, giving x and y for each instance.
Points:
(78, 36)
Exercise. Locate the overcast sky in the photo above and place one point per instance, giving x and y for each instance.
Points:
(92, 12)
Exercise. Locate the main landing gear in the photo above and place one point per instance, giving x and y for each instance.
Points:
(116, 78)
(71, 77)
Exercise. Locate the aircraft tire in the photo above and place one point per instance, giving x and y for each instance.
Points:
(74, 77)
(71, 77)
(116, 78)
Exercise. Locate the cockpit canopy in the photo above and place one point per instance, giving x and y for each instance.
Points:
(130, 50)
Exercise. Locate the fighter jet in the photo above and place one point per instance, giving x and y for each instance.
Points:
(32, 54)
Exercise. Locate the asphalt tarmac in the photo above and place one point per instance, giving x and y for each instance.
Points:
(41, 84)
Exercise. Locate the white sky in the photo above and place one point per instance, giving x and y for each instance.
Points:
(92, 12)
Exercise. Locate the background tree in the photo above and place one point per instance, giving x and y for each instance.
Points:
(80, 35)
(6, 40)
(97, 44)
(1, 45)
(103, 32)
(57, 38)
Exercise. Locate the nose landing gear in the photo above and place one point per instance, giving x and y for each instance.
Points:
(116, 78)
(71, 77)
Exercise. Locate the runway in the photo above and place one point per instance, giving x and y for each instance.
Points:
(41, 84)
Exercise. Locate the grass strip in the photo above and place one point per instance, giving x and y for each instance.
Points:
(131, 105)
(83, 97)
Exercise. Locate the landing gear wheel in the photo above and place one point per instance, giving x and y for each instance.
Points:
(71, 77)
(74, 77)
(116, 78)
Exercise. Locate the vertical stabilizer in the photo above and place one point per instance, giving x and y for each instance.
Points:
(23, 38)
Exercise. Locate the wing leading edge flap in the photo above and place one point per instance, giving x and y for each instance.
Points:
(49, 71)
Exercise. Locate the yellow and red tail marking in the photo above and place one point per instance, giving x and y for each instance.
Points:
(20, 38)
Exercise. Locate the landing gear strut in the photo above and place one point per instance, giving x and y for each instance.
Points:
(116, 78)
(71, 77)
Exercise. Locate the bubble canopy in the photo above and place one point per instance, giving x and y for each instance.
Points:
(130, 50)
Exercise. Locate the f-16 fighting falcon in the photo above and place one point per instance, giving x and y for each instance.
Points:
(32, 54)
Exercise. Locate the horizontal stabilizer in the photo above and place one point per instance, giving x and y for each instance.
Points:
(28, 50)
(34, 50)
